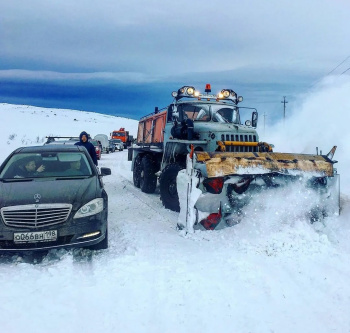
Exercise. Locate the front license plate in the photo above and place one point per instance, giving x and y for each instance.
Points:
(34, 237)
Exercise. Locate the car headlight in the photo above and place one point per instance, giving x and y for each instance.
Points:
(91, 208)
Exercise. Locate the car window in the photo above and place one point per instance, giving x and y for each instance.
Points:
(46, 165)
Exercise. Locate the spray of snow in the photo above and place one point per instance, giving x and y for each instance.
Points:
(284, 213)
(321, 120)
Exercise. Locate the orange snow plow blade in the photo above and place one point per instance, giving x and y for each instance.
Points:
(219, 164)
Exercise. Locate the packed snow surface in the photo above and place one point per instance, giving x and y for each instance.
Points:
(273, 272)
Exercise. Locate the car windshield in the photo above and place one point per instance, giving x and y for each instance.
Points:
(46, 165)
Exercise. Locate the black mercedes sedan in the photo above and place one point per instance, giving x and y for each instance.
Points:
(52, 197)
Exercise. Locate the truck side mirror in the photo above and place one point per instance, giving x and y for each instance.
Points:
(254, 119)
(174, 113)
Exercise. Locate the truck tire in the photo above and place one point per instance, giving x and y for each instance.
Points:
(168, 188)
(137, 171)
(148, 179)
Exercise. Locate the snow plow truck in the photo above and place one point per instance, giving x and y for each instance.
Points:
(203, 137)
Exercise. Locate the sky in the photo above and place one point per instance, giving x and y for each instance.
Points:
(273, 272)
(126, 57)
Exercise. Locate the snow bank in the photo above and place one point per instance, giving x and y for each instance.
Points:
(23, 125)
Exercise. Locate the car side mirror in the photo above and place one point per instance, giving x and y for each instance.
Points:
(105, 171)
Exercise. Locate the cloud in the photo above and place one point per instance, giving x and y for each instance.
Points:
(169, 38)
(71, 78)
(263, 50)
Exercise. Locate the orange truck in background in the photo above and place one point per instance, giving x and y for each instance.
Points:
(124, 136)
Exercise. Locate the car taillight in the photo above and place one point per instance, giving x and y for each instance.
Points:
(214, 185)
(211, 222)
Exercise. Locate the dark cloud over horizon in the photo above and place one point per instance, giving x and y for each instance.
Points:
(92, 55)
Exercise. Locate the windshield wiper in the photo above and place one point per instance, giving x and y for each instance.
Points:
(10, 180)
(72, 177)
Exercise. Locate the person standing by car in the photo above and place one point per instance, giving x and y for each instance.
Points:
(88, 145)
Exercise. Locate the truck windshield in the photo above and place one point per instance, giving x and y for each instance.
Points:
(195, 112)
(211, 112)
(118, 134)
(225, 114)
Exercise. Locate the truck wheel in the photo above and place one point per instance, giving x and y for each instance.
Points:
(137, 171)
(168, 188)
(148, 179)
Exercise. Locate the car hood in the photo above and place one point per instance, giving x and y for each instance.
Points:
(72, 191)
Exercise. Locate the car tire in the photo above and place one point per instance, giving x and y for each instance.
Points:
(168, 187)
(148, 179)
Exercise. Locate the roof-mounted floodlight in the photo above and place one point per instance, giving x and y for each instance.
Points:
(230, 94)
(226, 93)
(185, 91)
(190, 91)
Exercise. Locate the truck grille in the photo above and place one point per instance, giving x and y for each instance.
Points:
(240, 138)
(34, 216)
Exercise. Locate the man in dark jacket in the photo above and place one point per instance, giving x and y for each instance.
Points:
(88, 145)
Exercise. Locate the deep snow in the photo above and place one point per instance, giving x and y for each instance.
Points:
(273, 272)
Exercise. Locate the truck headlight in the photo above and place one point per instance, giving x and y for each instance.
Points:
(190, 91)
(91, 208)
(226, 93)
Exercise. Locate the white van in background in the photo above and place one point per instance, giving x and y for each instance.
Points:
(103, 138)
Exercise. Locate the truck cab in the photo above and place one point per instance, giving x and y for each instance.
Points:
(193, 121)
(203, 120)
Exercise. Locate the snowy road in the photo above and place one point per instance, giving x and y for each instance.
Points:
(292, 277)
